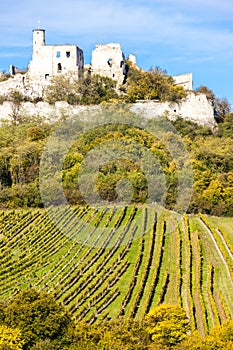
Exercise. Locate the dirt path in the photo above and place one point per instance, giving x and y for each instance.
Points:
(197, 294)
(218, 249)
(185, 276)
(225, 243)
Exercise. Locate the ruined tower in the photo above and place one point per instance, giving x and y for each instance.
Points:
(50, 60)
(38, 40)
(108, 60)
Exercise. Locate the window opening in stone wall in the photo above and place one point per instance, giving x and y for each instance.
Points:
(67, 54)
(46, 76)
(58, 54)
(59, 68)
(110, 62)
(113, 75)
(122, 64)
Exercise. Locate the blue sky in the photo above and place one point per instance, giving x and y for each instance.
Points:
(180, 36)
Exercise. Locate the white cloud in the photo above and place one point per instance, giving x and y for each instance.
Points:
(194, 34)
(177, 24)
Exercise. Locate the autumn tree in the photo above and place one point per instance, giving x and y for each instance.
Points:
(168, 324)
(226, 128)
(10, 338)
(88, 89)
(153, 85)
(219, 338)
(60, 88)
(15, 98)
(38, 316)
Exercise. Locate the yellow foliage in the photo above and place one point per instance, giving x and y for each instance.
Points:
(168, 324)
(11, 337)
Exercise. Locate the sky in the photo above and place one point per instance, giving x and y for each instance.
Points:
(180, 36)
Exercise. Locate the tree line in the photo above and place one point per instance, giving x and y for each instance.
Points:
(32, 320)
(210, 151)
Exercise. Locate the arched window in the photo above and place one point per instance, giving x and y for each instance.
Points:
(59, 68)
(109, 62)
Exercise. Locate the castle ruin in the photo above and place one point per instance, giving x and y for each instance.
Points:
(50, 60)
(107, 60)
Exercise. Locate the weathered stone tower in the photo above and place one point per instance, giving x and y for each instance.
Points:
(38, 40)
(48, 60)
(108, 60)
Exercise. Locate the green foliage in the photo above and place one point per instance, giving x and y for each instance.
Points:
(226, 128)
(122, 172)
(16, 98)
(60, 88)
(122, 333)
(22, 144)
(220, 337)
(168, 324)
(94, 89)
(20, 151)
(190, 129)
(35, 133)
(38, 316)
(155, 85)
(43, 345)
(89, 89)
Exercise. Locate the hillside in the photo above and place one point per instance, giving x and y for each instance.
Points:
(109, 261)
(23, 146)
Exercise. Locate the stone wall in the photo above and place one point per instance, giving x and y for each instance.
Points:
(108, 60)
(32, 88)
(195, 108)
(185, 80)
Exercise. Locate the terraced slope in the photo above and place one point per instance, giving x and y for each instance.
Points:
(116, 261)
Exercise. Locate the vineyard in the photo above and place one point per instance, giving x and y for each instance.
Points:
(106, 262)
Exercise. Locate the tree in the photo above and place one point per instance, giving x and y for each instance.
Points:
(38, 316)
(88, 89)
(156, 70)
(43, 345)
(209, 93)
(152, 85)
(24, 163)
(94, 89)
(122, 333)
(168, 324)
(15, 98)
(219, 337)
(60, 88)
(221, 106)
(10, 338)
(226, 128)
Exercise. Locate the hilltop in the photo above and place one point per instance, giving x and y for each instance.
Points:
(57, 73)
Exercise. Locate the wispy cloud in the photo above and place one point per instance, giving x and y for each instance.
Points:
(138, 22)
(196, 31)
